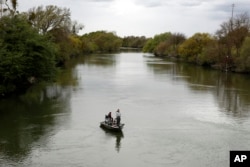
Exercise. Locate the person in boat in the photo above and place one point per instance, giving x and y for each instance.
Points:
(118, 117)
(109, 118)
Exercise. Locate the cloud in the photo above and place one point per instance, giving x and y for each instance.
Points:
(162, 3)
(191, 3)
(150, 3)
(238, 8)
(100, 0)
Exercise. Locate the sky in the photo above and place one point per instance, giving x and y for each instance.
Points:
(147, 17)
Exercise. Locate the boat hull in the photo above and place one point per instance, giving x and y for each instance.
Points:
(112, 127)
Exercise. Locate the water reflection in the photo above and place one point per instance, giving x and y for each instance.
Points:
(231, 91)
(29, 121)
(117, 135)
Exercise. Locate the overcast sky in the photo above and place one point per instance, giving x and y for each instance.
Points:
(147, 17)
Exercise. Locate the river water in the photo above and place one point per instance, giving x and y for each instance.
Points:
(175, 114)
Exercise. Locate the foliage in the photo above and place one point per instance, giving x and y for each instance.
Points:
(191, 49)
(134, 42)
(233, 32)
(56, 22)
(243, 62)
(101, 41)
(63, 44)
(210, 53)
(76, 44)
(25, 56)
(165, 44)
(170, 46)
(231, 36)
(151, 44)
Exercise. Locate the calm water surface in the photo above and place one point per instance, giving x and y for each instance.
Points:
(175, 115)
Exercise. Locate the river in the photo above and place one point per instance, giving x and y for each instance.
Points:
(175, 114)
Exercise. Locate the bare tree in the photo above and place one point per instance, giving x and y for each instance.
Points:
(8, 7)
(76, 27)
(49, 18)
(233, 32)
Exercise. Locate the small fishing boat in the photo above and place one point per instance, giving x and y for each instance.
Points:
(111, 126)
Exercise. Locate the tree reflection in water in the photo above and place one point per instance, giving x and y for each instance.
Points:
(28, 121)
(34, 119)
(231, 91)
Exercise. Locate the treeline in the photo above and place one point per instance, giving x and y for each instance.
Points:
(134, 42)
(228, 49)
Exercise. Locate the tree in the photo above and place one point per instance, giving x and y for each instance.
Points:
(175, 41)
(10, 7)
(243, 61)
(232, 34)
(25, 56)
(241, 27)
(49, 18)
(210, 54)
(170, 46)
(193, 47)
(76, 27)
(61, 39)
(76, 44)
(101, 41)
(152, 44)
(134, 42)
(56, 22)
(149, 46)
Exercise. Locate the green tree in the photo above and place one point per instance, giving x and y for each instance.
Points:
(169, 47)
(61, 39)
(210, 54)
(101, 41)
(134, 42)
(191, 49)
(149, 46)
(76, 44)
(175, 41)
(26, 57)
(243, 62)
(152, 44)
